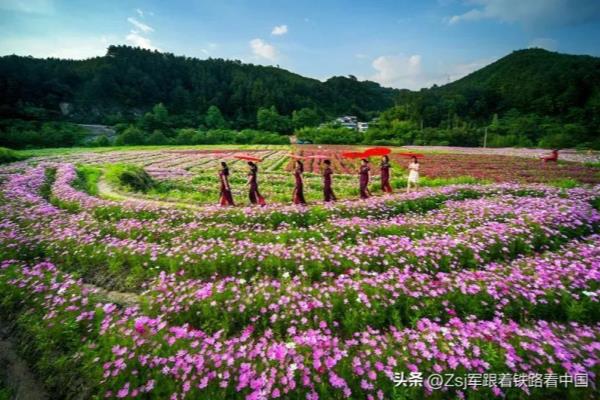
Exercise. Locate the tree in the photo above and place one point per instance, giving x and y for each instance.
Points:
(214, 119)
(101, 141)
(131, 136)
(158, 138)
(268, 119)
(185, 136)
(157, 119)
(305, 117)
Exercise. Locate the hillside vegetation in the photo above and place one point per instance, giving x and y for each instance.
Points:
(528, 98)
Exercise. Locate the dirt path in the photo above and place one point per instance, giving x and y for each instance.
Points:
(15, 373)
(126, 299)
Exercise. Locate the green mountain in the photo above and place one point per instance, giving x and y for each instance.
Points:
(532, 80)
(128, 81)
(530, 97)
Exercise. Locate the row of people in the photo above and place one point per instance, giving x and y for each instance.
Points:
(255, 197)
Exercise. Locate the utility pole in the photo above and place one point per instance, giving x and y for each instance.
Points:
(485, 138)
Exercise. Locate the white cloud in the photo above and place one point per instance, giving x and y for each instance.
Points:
(28, 6)
(544, 43)
(140, 25)
(409, 72)
(279, 30)
(263, 49)
(398, 71)
(138, 40)
(140, 12)
(76, 48)
(138, 36)
(537, 13)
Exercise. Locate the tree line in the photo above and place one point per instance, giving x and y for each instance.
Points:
(529, 98)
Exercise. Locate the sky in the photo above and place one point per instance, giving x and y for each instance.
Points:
(403, 44)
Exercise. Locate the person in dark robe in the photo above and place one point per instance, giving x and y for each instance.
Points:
(253, 193)
(385, 174)
(364, 179)
(298, 195)
(327, 190)
(226, 196)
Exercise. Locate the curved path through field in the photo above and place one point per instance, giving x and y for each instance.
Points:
(106, 191)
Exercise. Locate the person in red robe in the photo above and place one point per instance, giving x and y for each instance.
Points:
(226, 196)
(253, 193)
(385, 174)
(298, 195)
(364, 179)
(327, 190)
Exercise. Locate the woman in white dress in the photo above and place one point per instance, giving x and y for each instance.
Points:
(413, 175)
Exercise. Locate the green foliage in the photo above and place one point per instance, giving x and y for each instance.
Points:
(100, 141)
(6, 393)
(49, 178)
(528, 98)
(157, 138)
(305, 117)
(8, 156)
(130, 136)
(114, 88)
(130, 177)
(565, 183)
(157, 120)
(330, 134)
(20, 134)
(268, 119)
(87, 179)
(214, 119)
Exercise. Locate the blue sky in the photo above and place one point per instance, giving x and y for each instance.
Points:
(404, 44)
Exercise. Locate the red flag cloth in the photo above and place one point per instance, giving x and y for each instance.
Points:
(353, 154)
(377, 151)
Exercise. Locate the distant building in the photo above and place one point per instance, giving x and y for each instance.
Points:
(348, 121)
(351, 122)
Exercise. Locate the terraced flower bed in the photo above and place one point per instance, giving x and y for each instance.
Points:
(328, 301)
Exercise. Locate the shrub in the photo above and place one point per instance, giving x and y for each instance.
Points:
(130, 136)
(185, 136)
(100, 141)
(8, 156)
(158, 138)
(131, 177)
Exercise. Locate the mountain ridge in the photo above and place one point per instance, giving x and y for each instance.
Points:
(128, 81)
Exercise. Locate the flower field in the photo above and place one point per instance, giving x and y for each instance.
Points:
(164, 295)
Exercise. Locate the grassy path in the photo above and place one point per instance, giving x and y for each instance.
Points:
(107, 192)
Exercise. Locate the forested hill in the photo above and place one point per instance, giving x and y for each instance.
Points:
(533, 80)
(129, 81)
